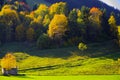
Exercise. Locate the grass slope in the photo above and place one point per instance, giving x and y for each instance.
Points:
(98, 59)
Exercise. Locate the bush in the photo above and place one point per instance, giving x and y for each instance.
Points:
(82, 46)
(43, 41)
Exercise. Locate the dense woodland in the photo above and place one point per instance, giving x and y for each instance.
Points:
(56, 25)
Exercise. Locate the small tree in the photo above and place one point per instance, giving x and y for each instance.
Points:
(8, 63)
(113, 27)
(82, 46)
(57, 26)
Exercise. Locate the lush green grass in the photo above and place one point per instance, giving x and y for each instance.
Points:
(81, 77)
(98, 59)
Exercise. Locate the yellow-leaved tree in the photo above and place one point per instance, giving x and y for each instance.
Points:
(10, 18)
(8, 62)
(58, 8)
(58, 26)
(113, 27)
(118, 36)
(30, 34)
(42, 10)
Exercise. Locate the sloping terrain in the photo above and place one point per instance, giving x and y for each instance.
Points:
(98, 59)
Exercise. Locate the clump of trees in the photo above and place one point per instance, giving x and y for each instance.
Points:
(56, 24)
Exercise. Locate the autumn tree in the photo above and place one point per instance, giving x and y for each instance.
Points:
(36, 24)
(8, 62)
(46, 21)
(118, 36)
(30, 34)
(58, 8)
(58, 26)
(113, 27)
(95, 28)
(25, 18)
(10, 18)
(95, 15)
(42, 10)
(20, 33)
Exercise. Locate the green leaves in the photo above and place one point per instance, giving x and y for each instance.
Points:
(82, 46)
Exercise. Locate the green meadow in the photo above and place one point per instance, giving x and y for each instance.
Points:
(82, 77)
(96, 60)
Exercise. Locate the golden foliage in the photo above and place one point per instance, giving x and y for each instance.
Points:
(9, 61)
(58, 25)
(95, 15)
(42, 10)
(46, 21)
(78, 13)
(119, 30)
(113, 27)
(112, 20)
(82, 46)
(57, 8)
(10, 16)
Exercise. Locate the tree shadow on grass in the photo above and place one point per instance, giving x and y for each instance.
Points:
(103, 49)
(23, 76)
(19, 76)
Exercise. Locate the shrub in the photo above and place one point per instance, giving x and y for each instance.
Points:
(82, 46)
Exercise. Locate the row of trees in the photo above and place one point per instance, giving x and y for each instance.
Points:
(56, 25)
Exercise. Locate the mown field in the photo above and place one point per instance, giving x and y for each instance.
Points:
(98, 59)
(82, 77)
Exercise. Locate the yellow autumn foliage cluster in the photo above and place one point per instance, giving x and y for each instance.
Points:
(95, 15)
(58, 25)
(112, 20)
(41, 10)
(57, 8)
(8, 62)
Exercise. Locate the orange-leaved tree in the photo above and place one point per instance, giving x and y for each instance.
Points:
(95, 15)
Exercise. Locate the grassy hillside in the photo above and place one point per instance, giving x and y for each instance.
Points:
(98, 59)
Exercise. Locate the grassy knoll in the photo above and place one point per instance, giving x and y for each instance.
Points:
(98, 59)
